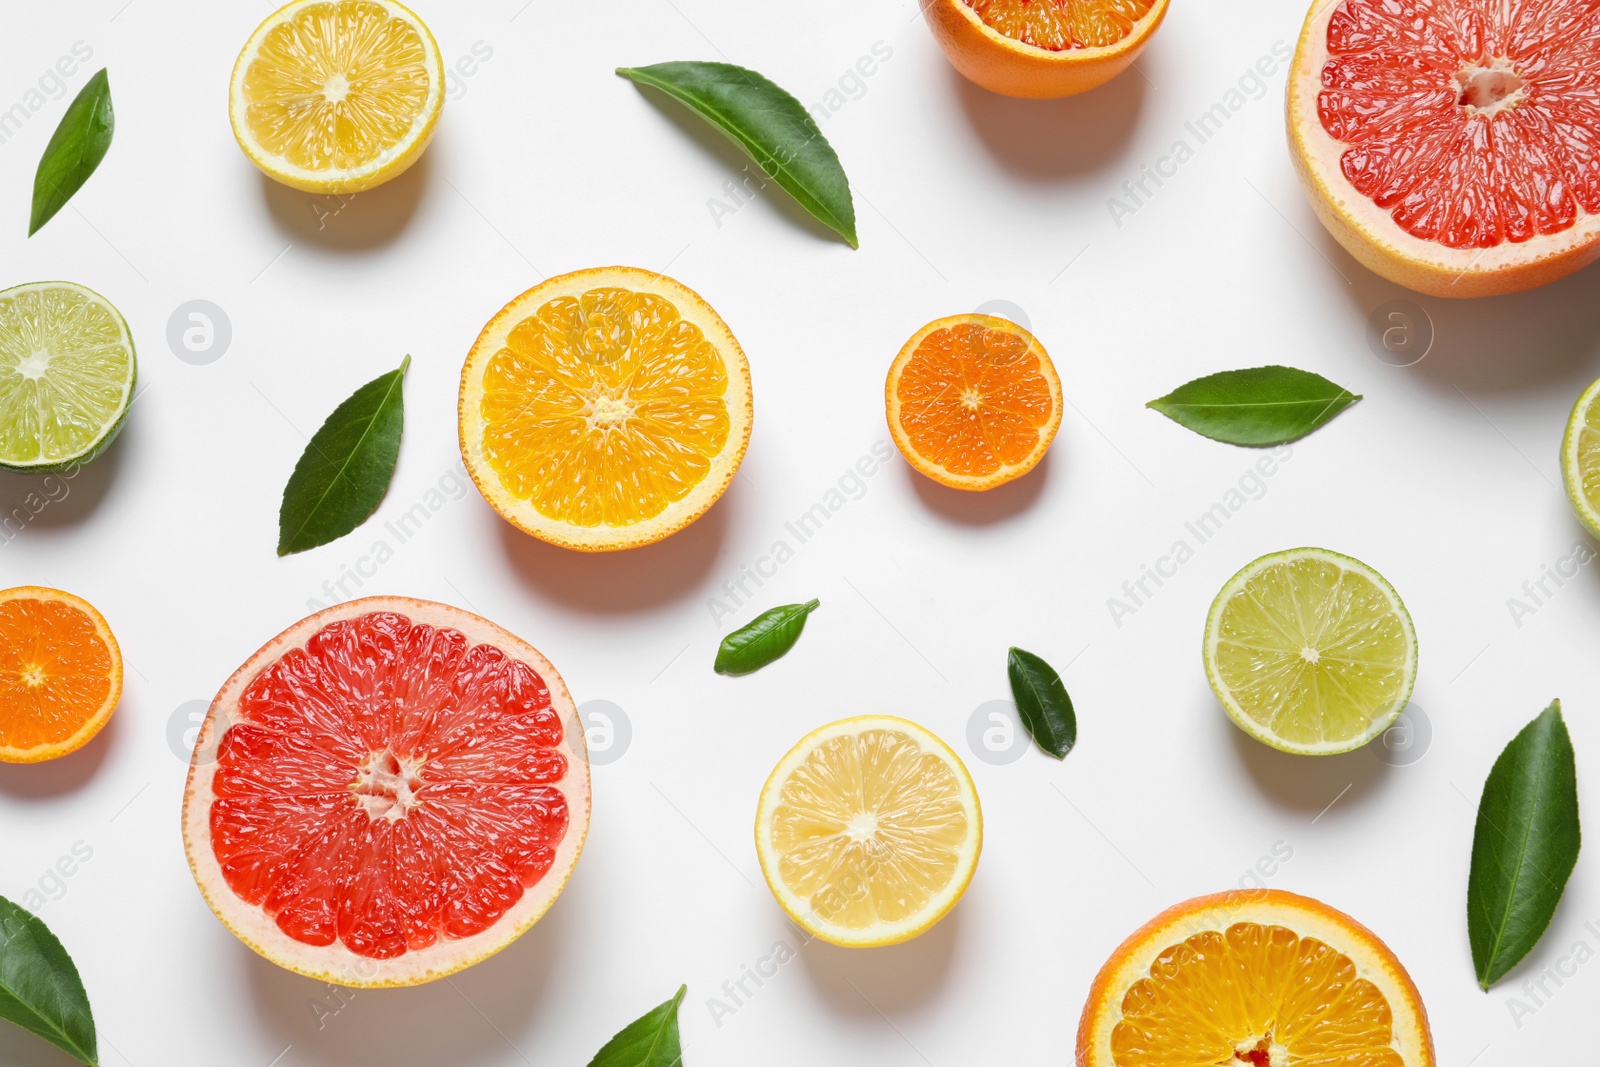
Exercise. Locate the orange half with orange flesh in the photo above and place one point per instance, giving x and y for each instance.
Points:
(60, 673)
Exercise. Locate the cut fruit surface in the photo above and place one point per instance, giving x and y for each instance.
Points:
(1043, 48)
(1580, 458)
(60, 673)
(337, 96)
(389, 791)
(1451, 147)
(973, 401)
(67, 373)
(868, 831)
(1254, 978)
(1310, 651)
(605, 409)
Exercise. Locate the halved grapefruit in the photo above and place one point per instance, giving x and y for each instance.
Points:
(1452, 148)
(389, 791)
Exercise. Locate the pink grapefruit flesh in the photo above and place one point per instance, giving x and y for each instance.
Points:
(1453, 145)
(387, 792)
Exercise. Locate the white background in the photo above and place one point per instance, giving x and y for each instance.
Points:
(1445, 478)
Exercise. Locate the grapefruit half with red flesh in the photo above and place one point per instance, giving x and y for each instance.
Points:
(1453, 147)
(389, 791)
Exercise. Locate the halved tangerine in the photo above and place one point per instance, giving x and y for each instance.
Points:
(389, 791)
(1043, 48)
(1254, 978)
(60, 673)
(973, 401)
(1452, 147)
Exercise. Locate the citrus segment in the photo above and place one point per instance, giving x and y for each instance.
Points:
(868, 831)
(1043, 48)
(973, 401)
(1451, 147)
(1580, 458)
(67, 372)
(605, 409)
(1254, 979)
(1310, 651)
(389, 791)
(337, 95)
(60, 673)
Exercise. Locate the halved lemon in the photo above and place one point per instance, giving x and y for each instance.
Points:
(1254, 978)
(1580, 458)
(605, 409)
(337, 96)
(1310, 651)
(67, 372)
(869, 831)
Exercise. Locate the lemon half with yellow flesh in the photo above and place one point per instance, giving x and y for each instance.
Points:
(869, 831)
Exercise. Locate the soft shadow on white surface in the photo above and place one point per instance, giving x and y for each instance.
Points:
(1545, 337)
(460, 1020)
(882, 982)
(34, 781)
(22, 1049)
(34, 503)
(351, 222)
(980, 509)
(1045, 140)
(1313, 784)
(620, 581)
(742, 169)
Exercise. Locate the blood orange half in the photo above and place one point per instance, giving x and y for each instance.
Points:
(389, 791)
(1453, 147)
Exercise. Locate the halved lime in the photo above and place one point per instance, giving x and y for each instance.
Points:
(1580, 458)
(67, 372)
(1310, 651)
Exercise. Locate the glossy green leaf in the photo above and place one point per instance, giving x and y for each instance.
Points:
(1042, 702)
(40, 989)
(345, 469)
(764, 639)
(75, 150)
(649, 1041)
(1525, 845)
(1257, 407)
(774, 127)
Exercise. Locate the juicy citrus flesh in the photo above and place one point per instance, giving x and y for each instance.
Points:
(1473, 124)
(66, 373)
(873, 830)
(976, 399)
(1062, 25)
(60, 673)
(604, 409)
(1270, 994)
(1581, 458)
(389, 786)
(337, 86)
(1311, 651)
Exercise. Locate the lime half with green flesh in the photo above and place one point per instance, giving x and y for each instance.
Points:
(67, 372)
(1310, 652)
(1580, 458)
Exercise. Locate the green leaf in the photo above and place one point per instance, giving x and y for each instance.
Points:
(774, 127)
(40, 989)
(766, 638)
(1042, 702)
(649, 1041)
(345, 469)
(1258, 407)
(74, 151)
(1525, 845)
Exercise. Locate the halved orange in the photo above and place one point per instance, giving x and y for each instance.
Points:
(1254, 978)
(973, 401)
(1043, 48)
(1450, 147)
(605, 409)
(60, 673)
